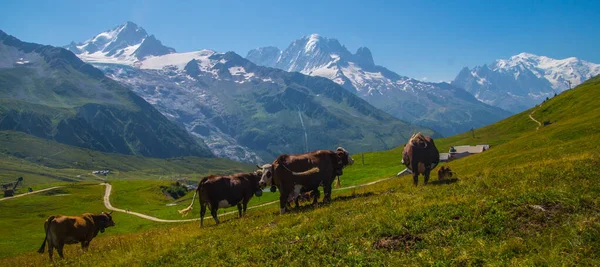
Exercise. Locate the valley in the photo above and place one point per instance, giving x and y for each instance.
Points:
(137, 133)
(509, 204)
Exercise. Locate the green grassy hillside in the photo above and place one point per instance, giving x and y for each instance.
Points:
(532, 199)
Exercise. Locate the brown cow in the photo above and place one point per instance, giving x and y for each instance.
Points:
(343, 159)
(317, 168)
(226, 191)
(61, 230)
(444, 172)
(420, 156)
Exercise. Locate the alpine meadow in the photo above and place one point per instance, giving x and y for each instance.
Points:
(168, 148)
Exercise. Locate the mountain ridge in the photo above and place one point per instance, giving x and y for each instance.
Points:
(127, 42)
(49, 92)
(251, 113)
(403, 97)
(524, 80)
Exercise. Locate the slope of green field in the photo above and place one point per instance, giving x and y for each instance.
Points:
(22, 224)
(530, 200)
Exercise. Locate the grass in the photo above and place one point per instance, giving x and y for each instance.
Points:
(22, 224)
(530, 200)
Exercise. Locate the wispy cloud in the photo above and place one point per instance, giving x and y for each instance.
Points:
(424, 79)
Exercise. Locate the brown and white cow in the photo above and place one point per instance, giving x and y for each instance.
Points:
(420, 156)
(226, 191)
(293, 174)
(61, 230)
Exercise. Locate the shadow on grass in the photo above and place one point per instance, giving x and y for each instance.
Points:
(310, 207)
(57, 191)
(445, 181)
(353, 196)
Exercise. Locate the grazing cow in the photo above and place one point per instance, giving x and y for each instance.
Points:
(226, 191)
(444, 172)
(61, 230)
(420, 156)
(292, 173)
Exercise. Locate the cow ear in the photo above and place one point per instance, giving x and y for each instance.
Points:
(258, 167)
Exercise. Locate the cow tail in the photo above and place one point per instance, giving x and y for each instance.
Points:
(187, 210)
(337, 183)
(47, 229)
(304, 173)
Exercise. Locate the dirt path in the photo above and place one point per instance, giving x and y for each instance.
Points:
(147, 217)
(533, 119)
(29, 193)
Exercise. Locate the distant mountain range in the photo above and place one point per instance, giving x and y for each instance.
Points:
(124, 43)
(524, 80)
(48, 92)
(440, 106)
(242, 111)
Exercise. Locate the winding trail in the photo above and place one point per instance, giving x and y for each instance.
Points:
(109, 206)
(30, 193)
(147, 217)
(533, 119)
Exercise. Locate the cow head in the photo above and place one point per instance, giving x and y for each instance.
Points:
(257, 175)
(267, 175)
(344, 159)
(105, 221)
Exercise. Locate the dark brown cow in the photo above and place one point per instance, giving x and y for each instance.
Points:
(343, 159)
(226, 191)
(420, 156)
(293, 173)
(61, 230)
(444, 172)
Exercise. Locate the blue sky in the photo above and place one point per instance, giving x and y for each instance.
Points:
(420, 39)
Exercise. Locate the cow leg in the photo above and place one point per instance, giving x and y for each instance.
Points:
(50, 249)
(426, 174)
(213, 212)
(239, 206)
(202, 213)
(245, 207)
(282, 202)
(59, 248)
(316, 195)
(85, 245)
(297, 202)
(327, 190)
(415, 170)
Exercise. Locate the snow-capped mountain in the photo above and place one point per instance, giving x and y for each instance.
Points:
(252, 113)
(441, 107)
(524, 80)
(126, 43)
(265, 56)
